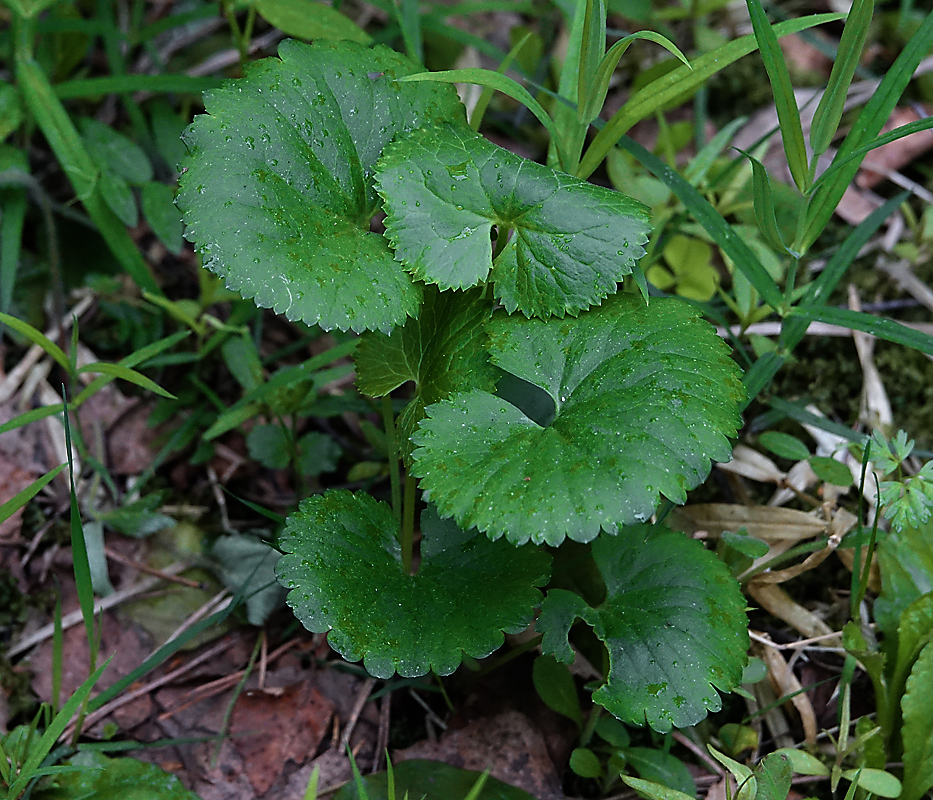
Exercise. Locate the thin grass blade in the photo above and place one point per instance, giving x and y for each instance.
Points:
(38, 338)
(712, 221)
(819, 291)
(127, 374)
(599, 88)
(882, 328)
(501, 83)
(409, 20)
(15, 503)
(784, 101)
(664, 90)
(877, 111)
(829, 111)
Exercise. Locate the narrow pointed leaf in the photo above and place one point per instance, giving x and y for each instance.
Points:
(829, 111)
(721, 232)
(784, 101)
(764, 204)
(344, 571)
(644, 398)
(886, 329)
(278, 192)
(571, 242)
(668, 599)
(677, 82)
(443, 352)
(874, 115)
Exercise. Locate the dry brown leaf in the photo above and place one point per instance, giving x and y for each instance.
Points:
(768, 523)
(777, 602)
(753, 465)
(786, 683)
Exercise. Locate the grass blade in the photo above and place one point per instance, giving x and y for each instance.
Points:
(501, 83)
(127, 374)
(31, 416)
(882, 328)
(128, 84)
(65, 142)
(15, 503)
(784, 101)
(829, 111)
(764, 205)
(38, 338)
(876, 112)
(409, 20)
(818, 291)
(667, 88)
(600, 85)
(712, 221)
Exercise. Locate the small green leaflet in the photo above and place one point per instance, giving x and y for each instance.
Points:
(278, 191)
(442, 351)
(645, 396)
(570, 242)
(668, 599)
(344, 572)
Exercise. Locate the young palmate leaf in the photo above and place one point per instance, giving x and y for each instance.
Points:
(443, 351)
(673, 622)
(570, 242)
(343, 567)
(644, 397)
(278, 191)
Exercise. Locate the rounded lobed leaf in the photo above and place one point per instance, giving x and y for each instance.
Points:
(645, 396)
(343, 569)
(673, 622)
(278, 191)
(570, 242)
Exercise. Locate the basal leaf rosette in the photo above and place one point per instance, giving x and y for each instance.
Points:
(443, 351)
(278, 191)
(645, 397)
(342, 565)
(673, 622)
(570, 242)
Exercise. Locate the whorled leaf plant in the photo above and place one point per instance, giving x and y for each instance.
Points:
(546, 405)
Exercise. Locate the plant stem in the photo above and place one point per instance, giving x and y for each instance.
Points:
(395, 476)
(407, 537)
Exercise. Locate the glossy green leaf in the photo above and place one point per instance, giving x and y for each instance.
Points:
(644, 398)
(774, 775)
(784, 445)
(831, 471)
(906, 561)
(419, 778)
(655, 790)
(570, 241)
(158, 204)
(443, 352)
(876, 781)
(783, 89)
(113, 152)
(829, 112)
(917, 731)
(344, 571)
(874, 115)
(585, 763)
(105, 778)
(247, 564)
(278, 193)
(656, 765)
(667, 599)
(555, 686)
(309, 19)
(802, 762)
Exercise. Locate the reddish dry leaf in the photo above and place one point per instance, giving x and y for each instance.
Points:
(274, 726)
(508, 744)
(892, 157)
